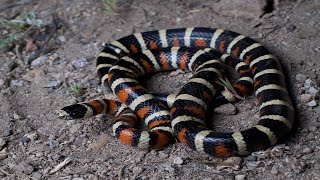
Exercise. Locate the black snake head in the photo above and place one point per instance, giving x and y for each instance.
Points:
(75, 111)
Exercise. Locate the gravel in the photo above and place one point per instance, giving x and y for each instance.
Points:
(290, 32)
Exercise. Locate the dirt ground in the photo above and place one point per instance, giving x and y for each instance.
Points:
(34, 142)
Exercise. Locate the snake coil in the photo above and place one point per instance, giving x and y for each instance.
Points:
(123, 61)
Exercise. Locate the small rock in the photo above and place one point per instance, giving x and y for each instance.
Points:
(25, 139)
(75, 128)
(31, 136)
(39, 154)
(39, 61)
(252, 164)
(80, 63)
(53, 84)
(36, 175)
(177, 160)
(307, 83)
(78, 178)
(169, 168)
(137, 170)
(57, 156)
(7, 132)
(3, 142)
(274, 169)
(1, 82)
(16, 116)
(3, 154)
(231, 162)
(301, 78)
(17, 83)
(163, 154)
(79, 141)
(53, 144)
(317, 109)
(312, 103)
(24, 168)
(8, 66)
(227, 109)
(290, 27)
(313, 90)
(34, 75)
(101, 143)
(306, 150)
(313, 128)
(240, 177)
(305, 98)
(93, 177)
(62, 39)
(176, 72)
(44, 131)
(94, 82)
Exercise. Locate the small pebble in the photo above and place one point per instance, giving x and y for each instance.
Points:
(17, 83)
(53, 144)
(75, 128)
(304, 98)
(44, 131)
(312, 103)
(227, 109)
(24, 168)
(317, 109)
(62, 39)
(306, 150)
(274, 169)
(78, 178)
(1, 82)
(313, 90)
(301, 78)
(3, 154)
(240, 177)
(53, 84)
(34, 75)
(290, 28)
(39, 61)
(39, 154)
(169, 168)
(8, 66)
(177, 160)
(176, 72)
(16, 116)
(80, 63)
(94, 82)
(307, 83)
(7, 132)
(25, 139)
(3, 142)
(36, 175)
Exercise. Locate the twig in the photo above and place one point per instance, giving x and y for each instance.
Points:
(61, 165)
(15, 4)
(5, 172)
(18, 54)
(54, 27)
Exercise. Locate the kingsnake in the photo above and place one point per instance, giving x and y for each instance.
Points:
(123, 61)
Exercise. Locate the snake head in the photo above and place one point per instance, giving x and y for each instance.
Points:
(75, 111)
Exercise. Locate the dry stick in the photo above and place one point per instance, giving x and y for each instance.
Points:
(15, 4)
(54, 27)
(18, 54)
(5, 172)
(61, 165)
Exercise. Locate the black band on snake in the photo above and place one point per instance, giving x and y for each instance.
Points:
(183, 115)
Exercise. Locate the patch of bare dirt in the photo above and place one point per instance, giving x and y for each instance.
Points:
(35, 144)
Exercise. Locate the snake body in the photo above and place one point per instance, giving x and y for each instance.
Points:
(198, 50)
